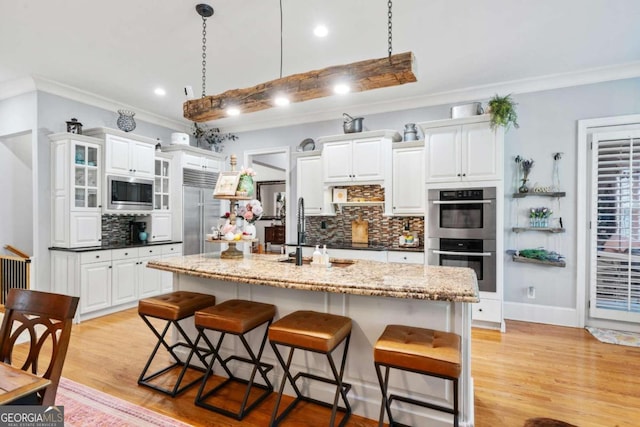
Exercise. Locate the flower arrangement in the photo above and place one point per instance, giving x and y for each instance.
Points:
(526, 165)
(539, 217)
(212, 137)
(251, 212)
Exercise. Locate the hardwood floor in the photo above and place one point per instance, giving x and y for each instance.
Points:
(532, 370)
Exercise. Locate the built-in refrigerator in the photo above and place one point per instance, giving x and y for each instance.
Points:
(200, 211)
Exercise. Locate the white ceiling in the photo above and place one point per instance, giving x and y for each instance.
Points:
(120, 50)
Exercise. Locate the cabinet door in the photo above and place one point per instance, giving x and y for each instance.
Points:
(337, 159)
(442, 152)
(309, 184)
(142, 159)
(367, 159)
(166, 277)
(161, 188)
(160, 227)
(191, 162)
(211, 165)
(124, 281)
(408, 181)
(150, 279)
(95, 286)
(479, 153)
(117, 155)
(85, 229)
(86, 177)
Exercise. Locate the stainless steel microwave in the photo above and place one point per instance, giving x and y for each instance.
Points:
(129, 193)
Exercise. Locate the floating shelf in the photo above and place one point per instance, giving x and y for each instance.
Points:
(339, 205)
(538, 261)
(532, 193)
(547, 229)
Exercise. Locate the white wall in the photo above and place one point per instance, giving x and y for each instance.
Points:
(16, 190)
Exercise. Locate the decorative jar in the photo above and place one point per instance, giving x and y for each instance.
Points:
(125, 120)
(245, 186)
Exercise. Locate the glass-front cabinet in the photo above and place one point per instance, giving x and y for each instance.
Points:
(161, 188)
(86, 176)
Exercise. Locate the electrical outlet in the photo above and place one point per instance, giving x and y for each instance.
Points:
(531, 292)
(323, 225)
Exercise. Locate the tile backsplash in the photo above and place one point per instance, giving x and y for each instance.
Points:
(383, 230)
(115, 229)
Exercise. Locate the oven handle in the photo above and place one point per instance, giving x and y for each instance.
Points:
(461, 202)
(461, 253)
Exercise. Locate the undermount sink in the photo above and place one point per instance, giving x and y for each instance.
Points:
(335, 262)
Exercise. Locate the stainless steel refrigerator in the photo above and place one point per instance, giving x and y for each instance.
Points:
(200, 211)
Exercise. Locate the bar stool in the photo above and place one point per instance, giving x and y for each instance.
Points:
(172, 308)
(317, 333)
(235, 317)
(422, 351)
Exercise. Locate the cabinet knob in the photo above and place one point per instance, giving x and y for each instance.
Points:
(126, 253)
(458, 174)
(464, 174)
(110, 267)
(479, 309)
(99, 206)
(97, 256)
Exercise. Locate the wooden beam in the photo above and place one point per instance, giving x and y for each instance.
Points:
(360, 76)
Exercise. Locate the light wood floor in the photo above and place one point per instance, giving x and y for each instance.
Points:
(532, 370)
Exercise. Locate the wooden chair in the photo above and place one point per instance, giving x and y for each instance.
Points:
(45, 319)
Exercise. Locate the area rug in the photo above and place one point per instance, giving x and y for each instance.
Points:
(612, 336)
(84, 406)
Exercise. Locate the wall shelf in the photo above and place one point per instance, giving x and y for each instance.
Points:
(532, 193)
(339, 205)
(522, 259)
(547, 229)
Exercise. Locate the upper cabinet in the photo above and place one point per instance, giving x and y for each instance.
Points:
(161, 187)
(357, 158)
(408, 179)
(463, 150)
(126, 154)
(76, 182)
(310, 186)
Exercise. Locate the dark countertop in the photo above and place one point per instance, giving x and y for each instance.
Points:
(371, 246)
(114, 246)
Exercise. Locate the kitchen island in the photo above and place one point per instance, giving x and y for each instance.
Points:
(373, 294)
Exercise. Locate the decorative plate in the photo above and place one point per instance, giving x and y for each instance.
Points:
(307, 145)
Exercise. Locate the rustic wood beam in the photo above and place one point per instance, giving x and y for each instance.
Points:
(360, 76)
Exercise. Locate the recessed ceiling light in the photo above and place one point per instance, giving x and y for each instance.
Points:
(233, 111)
(281, 101)
(320, 31)
(341, 88)
(160, 92)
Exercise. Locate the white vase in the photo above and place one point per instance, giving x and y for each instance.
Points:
(250, 229)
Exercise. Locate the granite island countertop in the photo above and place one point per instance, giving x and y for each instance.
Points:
(368, 278)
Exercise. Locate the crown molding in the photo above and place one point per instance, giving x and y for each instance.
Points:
(529, 85)
(16, 87)
(69, 92)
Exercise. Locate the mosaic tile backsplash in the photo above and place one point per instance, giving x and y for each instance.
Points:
(115, 229)
(383, 230)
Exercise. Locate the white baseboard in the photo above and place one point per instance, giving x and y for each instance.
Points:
(560, 316)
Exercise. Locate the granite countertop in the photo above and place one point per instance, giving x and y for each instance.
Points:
(360, 278)
(115, 246)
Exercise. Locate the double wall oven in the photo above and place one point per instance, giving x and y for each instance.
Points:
(462, 231)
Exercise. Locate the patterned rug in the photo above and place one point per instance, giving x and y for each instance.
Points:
(612, 336)
(84, 406)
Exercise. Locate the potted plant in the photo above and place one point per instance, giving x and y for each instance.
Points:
(211, 138)
(503, 112)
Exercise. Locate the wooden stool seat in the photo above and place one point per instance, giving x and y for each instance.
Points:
(235, 317)
(172, 308)
(175, 305)
(422, 351)
(310, 330)
(318, 333)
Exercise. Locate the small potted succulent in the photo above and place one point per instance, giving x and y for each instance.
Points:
(503, 112)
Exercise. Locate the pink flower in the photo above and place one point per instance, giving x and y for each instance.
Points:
(248, 215)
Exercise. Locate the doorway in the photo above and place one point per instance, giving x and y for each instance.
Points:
(272, 166)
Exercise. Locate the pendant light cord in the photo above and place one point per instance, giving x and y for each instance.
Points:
(280, 38)
(204, 57)
(389, 27)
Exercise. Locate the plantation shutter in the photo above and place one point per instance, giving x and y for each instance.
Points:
(615, 226)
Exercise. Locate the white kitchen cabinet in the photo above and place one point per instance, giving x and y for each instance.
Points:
(95, 281)
(166, 277)
(76, 183)
(207, 164)
(160, 228)
(128, 157)
(162, 181)
(408, 179)
(110, 280)
(355, 160)
(310, 187)
(405, 257)
(463, 150)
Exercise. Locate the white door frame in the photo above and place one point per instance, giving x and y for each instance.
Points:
(585, 129)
